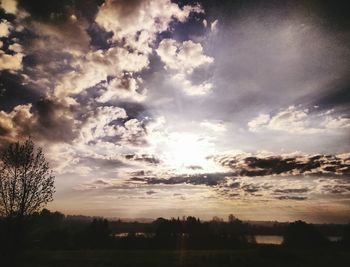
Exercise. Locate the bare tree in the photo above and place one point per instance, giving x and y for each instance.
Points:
(26, 181)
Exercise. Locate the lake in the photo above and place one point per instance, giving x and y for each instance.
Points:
(278, 239)
(269, 239)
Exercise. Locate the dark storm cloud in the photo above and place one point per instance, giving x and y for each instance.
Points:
(151, 159)
(54, 121)
(210, 179)
(54, 62)
(59, 14)
(60, 10)
(57, 25)
(292, 190)
(140, 173)
(244, 165)
(46, 120)
(137, 179)
(14, 93)
(250, 188)
(291, 198)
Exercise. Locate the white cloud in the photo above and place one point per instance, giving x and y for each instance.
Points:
(138, 22)
(16, 48)
(10, 62)
(103, 126)
(298, 121)
(183, 57)
(98, 124)
(12, 123)
(336, 122)
(10, 6)
(259, 121)
(96, 66)
(4, 28)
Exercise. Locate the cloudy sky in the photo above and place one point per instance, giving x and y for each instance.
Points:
(150, 108)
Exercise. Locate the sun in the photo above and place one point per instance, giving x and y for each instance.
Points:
(186, 151)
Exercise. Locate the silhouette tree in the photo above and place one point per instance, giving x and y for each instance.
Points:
(26, 186)
(26, 182)
(231, 218)
(302, 234)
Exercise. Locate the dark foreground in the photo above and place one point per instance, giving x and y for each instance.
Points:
(261, 256)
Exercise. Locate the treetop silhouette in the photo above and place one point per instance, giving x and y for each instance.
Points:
(26, 181)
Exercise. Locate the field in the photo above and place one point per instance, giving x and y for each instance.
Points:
(262, 256)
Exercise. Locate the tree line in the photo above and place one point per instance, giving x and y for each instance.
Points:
(54, 230)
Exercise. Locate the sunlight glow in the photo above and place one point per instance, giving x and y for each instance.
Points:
(186, 151)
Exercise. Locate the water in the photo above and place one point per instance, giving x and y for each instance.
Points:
(278, 239)
(269, 239)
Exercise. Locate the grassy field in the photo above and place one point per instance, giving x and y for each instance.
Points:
(264, 256)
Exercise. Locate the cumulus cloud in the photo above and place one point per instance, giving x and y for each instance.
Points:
(98, 125)
(10, 6)
(15, 48)
(46, 120)
(111, 124)
(10, 62)
(183, 58)
(12, 123)
(10, 59)
(96, 66)
(138, 22)
(4, 28)
(296, 120)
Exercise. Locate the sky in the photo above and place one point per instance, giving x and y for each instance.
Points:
(160, 108)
